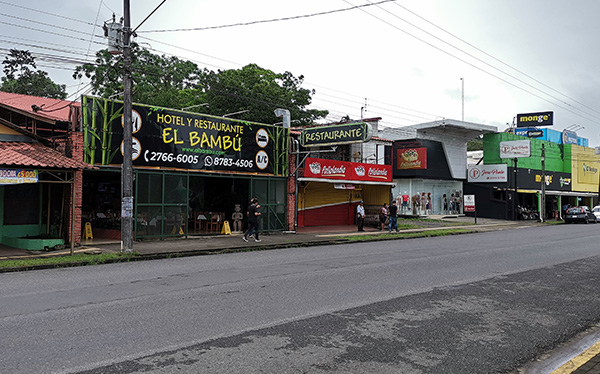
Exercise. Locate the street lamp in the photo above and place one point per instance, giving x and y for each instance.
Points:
(194, 106)
(234, 113)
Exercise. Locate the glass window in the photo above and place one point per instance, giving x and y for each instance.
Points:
(149, 188)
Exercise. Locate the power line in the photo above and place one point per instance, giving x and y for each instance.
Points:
(479, 68)
(271, 20)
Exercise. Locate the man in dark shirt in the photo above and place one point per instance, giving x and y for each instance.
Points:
(393, 216)
(253, 214)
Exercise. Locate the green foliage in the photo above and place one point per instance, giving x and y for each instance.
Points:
(259, 91)
(67, 260)
(22, 78)
(170, 82)
(475, 144)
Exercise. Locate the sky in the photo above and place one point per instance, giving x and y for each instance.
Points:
(406, 61)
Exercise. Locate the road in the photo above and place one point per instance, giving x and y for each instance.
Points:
(476, 303)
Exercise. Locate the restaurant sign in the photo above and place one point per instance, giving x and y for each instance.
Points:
(333, 135)
(175, 139)
(346, 171)
(18, 176)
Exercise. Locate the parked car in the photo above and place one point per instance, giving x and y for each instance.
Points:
(580, 214)
(596, 212)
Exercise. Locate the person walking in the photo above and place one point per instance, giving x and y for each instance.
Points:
(360, 215)
(393, 216)
(253, 215)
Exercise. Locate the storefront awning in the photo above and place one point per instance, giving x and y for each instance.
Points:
(345, 181)
(560, 193)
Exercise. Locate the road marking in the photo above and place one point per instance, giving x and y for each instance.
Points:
(578, 361)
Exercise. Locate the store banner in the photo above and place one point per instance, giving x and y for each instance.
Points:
(343, 170)
(411, 158)
(18, 176)
(515, 149)
(487, 173)
(175, 139)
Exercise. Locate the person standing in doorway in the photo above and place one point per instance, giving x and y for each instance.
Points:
(360, 215)
(393, 216)
(253, 215)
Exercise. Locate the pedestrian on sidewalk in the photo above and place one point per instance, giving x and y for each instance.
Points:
(253, 215)
(383, 215)
(360, 215)
(393, 217)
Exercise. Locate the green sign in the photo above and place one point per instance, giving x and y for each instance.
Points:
(333, 135)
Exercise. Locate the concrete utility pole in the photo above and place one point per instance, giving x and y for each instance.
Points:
(127, 167)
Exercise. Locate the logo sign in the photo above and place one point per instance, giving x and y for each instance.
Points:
(18, 176)
(515, 148)
(535, 119)
(333, 135)
(535, 133)
(569, 137)
(469, 203)
(343, 170)
(488, 173)
(411, 158)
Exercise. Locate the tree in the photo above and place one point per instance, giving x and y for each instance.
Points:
(258, 91)
(174, 83)
(475, 144)
(157, 80)
(21, 76)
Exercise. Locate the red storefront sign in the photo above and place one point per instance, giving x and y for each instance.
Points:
(411, 158)
(343, 170)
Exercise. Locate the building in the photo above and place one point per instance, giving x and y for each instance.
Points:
(41, 168)
(339, 165)
(429, 163)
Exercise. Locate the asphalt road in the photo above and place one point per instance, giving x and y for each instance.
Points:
(477, 303)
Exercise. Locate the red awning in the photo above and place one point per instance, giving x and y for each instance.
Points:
(35, 155)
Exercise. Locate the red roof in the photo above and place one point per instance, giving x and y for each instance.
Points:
(50, 109)
(21, 154)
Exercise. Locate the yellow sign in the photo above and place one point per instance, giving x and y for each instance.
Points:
(226, 230)
(88, 231)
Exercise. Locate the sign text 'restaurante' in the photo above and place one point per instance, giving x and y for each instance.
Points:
(330, 135)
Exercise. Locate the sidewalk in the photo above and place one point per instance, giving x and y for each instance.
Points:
(202, 245)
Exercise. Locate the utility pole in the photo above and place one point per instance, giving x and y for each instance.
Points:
(127, 166)
(543, 203)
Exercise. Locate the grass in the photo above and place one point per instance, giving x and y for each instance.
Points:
(62, 261)
(407, 235)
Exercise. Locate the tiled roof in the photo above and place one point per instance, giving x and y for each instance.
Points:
(35, 155)
(51, 109)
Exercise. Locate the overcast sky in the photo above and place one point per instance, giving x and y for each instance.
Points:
(403, 59)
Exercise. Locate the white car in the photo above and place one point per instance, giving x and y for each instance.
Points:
(596, 212)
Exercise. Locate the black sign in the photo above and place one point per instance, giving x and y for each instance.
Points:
(170, 138)
(535, 133)
(535, 119)
(338, 134)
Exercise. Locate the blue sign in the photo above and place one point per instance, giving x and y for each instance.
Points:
(569, 137)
